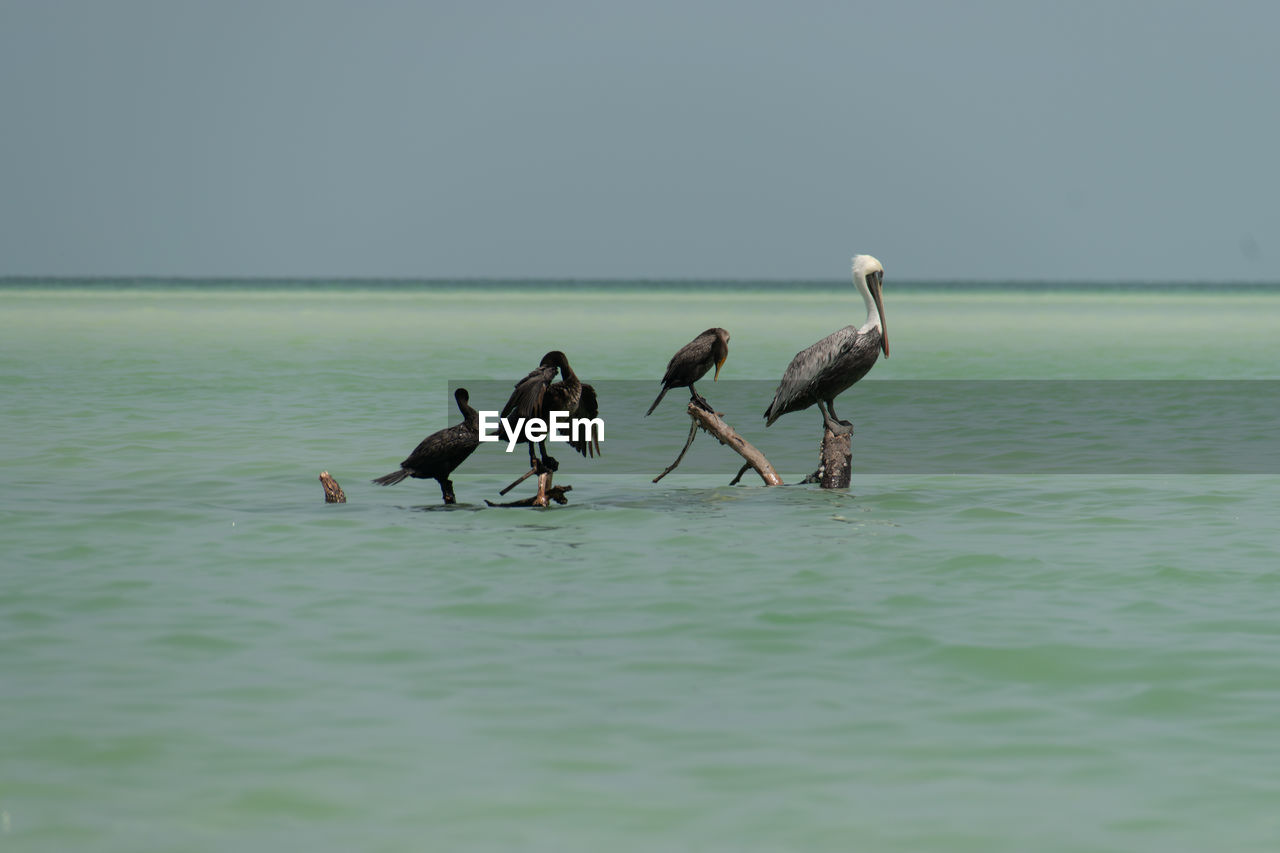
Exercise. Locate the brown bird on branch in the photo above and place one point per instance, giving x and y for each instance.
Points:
(536, 396)
(692, 362)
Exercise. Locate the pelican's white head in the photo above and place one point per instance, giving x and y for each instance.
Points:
(864, 264)
(868, 277)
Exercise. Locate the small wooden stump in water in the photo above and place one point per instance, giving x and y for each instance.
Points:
(712, 423)
(333, 493)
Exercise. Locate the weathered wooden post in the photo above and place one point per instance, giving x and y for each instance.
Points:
(835, 462)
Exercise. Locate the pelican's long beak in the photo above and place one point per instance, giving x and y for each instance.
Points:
(884, 324)
(719, 364)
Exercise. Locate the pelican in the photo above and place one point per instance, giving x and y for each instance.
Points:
(820, 373)
(692, 362)
(441, 452)
(536, 396)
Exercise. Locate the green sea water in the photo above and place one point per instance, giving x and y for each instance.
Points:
(197, 653)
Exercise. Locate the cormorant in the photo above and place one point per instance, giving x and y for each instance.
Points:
(692, 362)
(536, 396)
(441, 452)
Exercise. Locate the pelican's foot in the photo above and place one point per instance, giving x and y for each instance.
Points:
(840, 427)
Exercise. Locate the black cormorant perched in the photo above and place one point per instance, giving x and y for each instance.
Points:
(692, 362)
(441, 452)
(536, 396)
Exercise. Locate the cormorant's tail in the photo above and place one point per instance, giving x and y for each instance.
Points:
(657, 401)
(392, 478)
(768, 414)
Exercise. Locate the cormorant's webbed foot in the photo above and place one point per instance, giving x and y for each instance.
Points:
(700, 401)
(550, 464)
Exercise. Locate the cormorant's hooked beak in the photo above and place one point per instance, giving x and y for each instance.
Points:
(719, 364)
(875, 283)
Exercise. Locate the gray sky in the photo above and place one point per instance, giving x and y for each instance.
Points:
(1105, 140)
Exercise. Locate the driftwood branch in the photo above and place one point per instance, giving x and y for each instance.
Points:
(526, 475)
(693, 433)
(726, 435)
(712, 424)
(546, 493)
(333, 493)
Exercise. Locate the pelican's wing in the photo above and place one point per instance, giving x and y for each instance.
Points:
(807, 370)
(588, 443)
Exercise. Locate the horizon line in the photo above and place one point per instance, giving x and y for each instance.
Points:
(10, 279)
